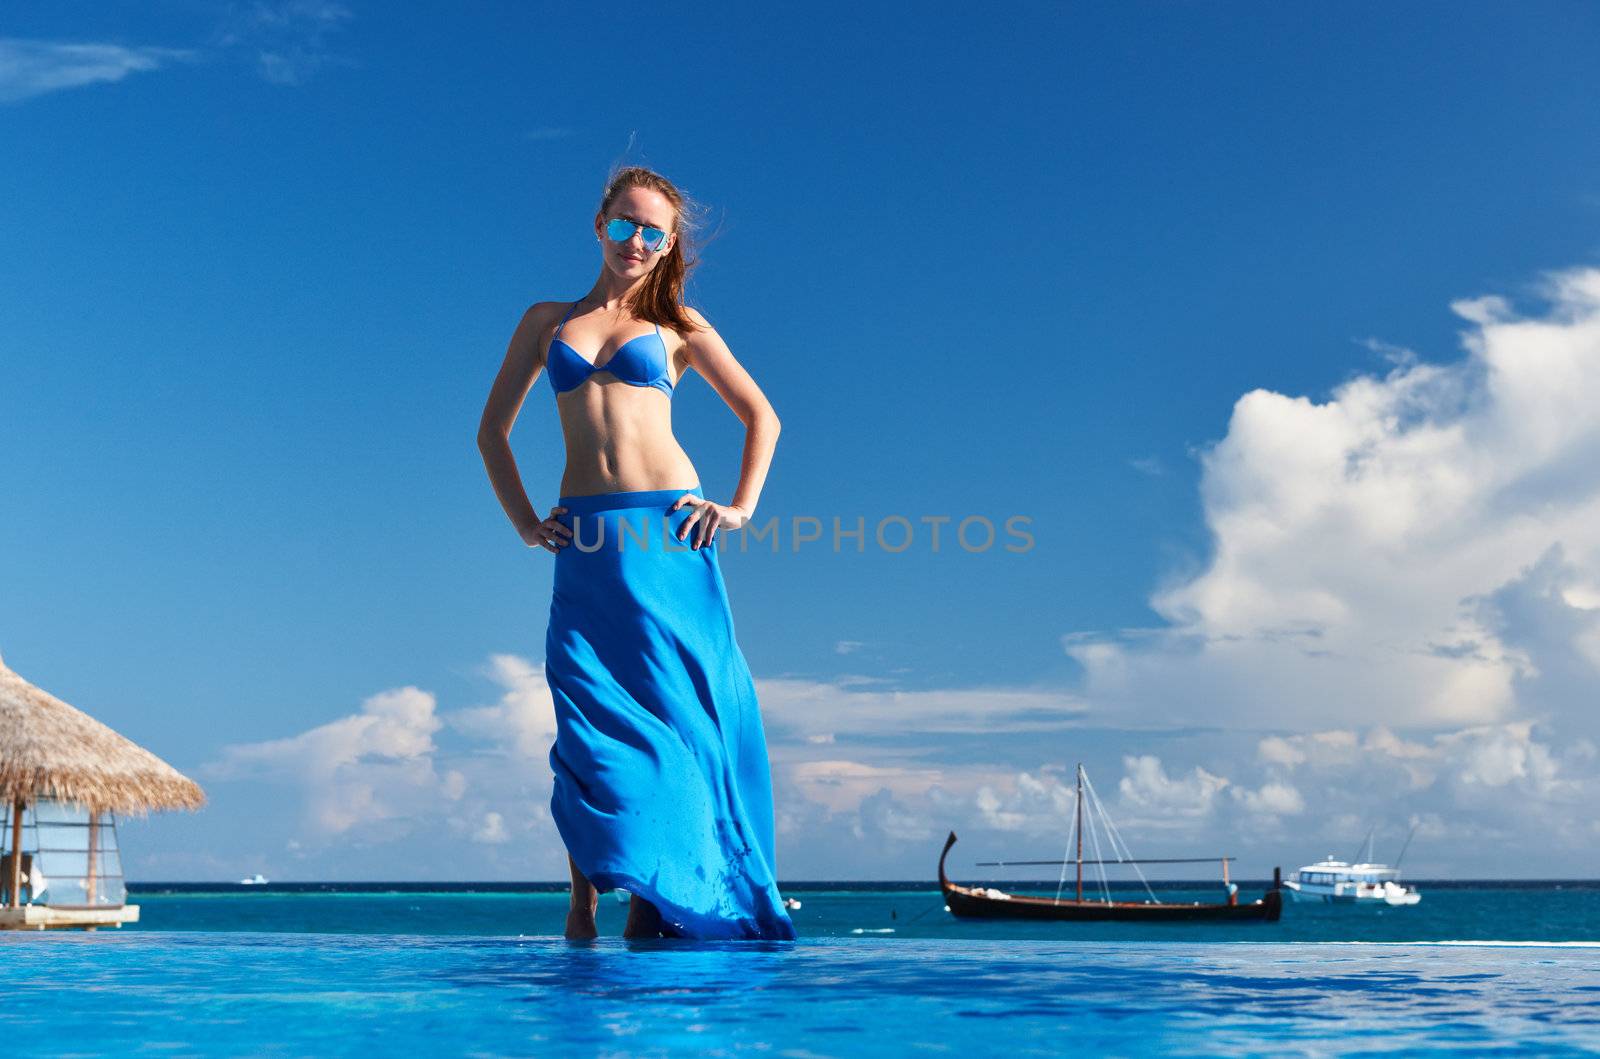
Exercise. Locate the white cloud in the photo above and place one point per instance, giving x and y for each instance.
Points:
(288, 42)
(1420, 550)
(798, 709)
(1278, 751)
(35, 67)
(1500, 756)
(400, 767)
(523, 722)
(289, 38)
(882, 816)
(842, 786)
(1479, 792)
(381, 773)
(1346, 749)
(369, 767)
(400, 771)
(1033, 803)
(1478, 756)
(1273, 798)
(1153, 799)
(492, 830)
(864, 760)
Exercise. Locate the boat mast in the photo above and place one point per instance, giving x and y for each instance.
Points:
(1080, 831)
(1364, 855)
(1405, 847)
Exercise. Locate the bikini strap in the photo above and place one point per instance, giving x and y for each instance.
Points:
(564, 319)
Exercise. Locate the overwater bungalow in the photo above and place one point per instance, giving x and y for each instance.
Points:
(65, 777)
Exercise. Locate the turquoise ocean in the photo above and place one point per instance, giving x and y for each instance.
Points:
(482, 969)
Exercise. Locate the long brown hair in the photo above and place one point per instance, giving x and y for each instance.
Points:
(659, 299)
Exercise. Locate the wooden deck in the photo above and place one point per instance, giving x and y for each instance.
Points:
(43, 917)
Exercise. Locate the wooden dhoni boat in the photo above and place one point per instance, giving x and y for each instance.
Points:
(988, 903)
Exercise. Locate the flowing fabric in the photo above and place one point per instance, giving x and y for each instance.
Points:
(662, 783)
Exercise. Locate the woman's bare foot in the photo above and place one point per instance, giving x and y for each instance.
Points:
(585, 901)
(644, 919)
(580, 924)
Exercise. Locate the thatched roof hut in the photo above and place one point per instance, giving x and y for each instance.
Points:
(50, 749)
(70, 770)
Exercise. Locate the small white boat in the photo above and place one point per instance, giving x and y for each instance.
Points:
(1340, 882)
(1363, 883)
(257, 881)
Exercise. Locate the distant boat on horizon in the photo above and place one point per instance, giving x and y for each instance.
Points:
(257, 880)
(989, 903)
(1364, 883)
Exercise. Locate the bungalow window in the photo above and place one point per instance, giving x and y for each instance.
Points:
(69, 857)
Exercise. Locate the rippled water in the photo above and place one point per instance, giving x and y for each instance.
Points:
(348, 994)
(321, 971)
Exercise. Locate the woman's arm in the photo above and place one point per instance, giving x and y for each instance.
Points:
(707, 353)
(521, 367)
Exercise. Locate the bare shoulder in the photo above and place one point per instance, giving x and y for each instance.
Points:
(703, 336)
(541, 314)
(697, 323)
(706, 352)
(537, 323)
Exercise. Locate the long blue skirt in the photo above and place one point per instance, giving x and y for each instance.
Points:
(662, 783)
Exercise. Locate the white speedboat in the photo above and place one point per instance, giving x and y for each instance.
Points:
(1340, 882)
(257, 881)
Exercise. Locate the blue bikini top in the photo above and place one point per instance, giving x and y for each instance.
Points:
(640, 361)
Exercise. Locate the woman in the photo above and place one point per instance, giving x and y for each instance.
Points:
(662, 784)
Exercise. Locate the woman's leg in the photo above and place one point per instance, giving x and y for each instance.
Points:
(585, 901)
(644, 919)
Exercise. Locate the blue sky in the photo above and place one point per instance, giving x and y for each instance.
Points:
(1142, 273)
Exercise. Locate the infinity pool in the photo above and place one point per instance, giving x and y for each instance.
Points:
(277, 993)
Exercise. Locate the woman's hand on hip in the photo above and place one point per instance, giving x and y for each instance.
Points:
(706, 519)
(550, 534)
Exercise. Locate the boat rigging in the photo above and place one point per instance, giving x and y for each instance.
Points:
(987, 902)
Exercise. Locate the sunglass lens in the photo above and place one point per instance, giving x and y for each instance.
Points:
(619, 230)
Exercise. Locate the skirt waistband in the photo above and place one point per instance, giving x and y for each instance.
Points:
(585, 505)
